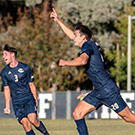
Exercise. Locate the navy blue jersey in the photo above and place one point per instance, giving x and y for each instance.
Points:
(18, 79)
(96, 71)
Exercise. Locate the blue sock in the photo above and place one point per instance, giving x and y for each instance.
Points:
(81, 127)
(42, 129)
(31, 132)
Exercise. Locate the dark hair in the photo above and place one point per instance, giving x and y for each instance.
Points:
(84, 30)
(10, 49)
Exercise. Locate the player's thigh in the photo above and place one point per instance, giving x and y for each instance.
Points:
(25, 121)
(32, 117)
(87, 105)
(90, 102)
(84, 107)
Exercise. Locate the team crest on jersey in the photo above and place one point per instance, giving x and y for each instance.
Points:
(9, 72)
(20, 70)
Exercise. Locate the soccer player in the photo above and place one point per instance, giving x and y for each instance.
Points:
(18, 82)
(105, 90)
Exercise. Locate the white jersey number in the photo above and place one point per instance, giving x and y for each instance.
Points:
(115, 106)
(16, 78)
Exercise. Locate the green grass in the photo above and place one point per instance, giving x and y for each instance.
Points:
(68, 127)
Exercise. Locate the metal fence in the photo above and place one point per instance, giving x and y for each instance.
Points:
(60, 105)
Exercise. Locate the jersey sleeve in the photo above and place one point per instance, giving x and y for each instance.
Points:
(30, 75)
(87, 48)
(4, 79)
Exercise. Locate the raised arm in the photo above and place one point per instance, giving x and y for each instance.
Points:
(7, 99)
(34, 92)
(66, 30)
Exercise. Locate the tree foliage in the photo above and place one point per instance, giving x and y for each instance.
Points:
(108, 20)
(119, 54)
(41, 43)
(99, 15)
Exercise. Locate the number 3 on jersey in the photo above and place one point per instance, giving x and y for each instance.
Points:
(16, 78)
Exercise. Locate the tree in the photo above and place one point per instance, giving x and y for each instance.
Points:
(99, 15)
(120, 63)
(40, 44)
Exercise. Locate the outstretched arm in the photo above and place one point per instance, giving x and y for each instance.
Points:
(66, 30)
(7, 99)
(79, 61)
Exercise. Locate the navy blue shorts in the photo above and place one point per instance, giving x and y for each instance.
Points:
(22, 110)
(115, 101)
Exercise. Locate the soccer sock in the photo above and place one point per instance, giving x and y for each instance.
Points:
(31, 132)
(42, 129)
(81, 127)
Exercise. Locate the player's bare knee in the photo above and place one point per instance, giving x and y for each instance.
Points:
(33, 121)
(77, 115)
(74, 114)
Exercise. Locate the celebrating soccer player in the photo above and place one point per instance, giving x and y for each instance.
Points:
(105, 90)
(18, 82)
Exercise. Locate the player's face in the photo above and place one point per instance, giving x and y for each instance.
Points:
(78, 39)
(7, 56)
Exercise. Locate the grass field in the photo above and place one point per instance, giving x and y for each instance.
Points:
(68, 127)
